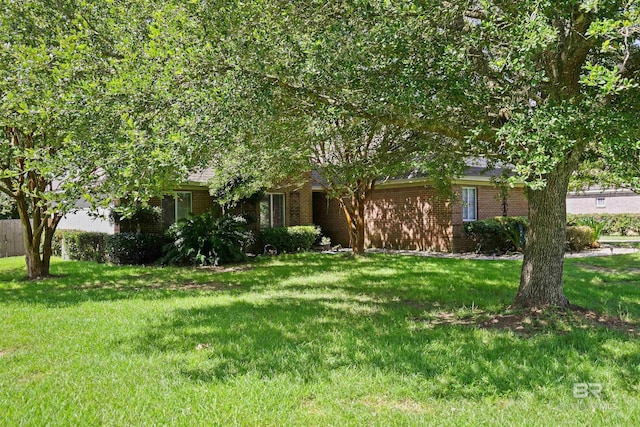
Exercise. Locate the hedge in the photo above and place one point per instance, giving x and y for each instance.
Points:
(121, 248)
(497, 235)
(135, 248)
(81, 245)
(290, 239)
(614, 224)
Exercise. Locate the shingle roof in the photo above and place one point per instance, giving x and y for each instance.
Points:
(202, 176)
(477, 167)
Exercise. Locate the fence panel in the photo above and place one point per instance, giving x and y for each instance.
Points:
(11, 243)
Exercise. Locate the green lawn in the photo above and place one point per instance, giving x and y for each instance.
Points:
(313, 340)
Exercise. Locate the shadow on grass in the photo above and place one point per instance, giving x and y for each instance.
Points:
(310, 338)
(414, 280)
(605, 284)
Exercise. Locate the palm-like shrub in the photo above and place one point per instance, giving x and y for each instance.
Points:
(208, 239)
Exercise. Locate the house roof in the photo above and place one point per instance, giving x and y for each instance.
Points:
(476, 168)
(201, 176)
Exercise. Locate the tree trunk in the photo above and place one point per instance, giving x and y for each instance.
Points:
(354, 211)
(32, 231)
(542, 267)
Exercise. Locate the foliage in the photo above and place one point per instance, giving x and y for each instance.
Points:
(498, 235)
(612, 224)
(135, 248)
(208, 239)
(579, 238)
(85, 86)
(290, 239)
(544, 86)
(84, 245)
(136, 217)
(119, 248)
(596, 227)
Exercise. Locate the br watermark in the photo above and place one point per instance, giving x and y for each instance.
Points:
(587, 390)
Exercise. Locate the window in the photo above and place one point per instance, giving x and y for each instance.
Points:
(600, 203)
(469, 204)
(176, 207)
(272, 211)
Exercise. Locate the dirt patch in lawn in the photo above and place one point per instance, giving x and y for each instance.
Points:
(529, 322)
(5, 351)
(402, 405)
(600, 269)
(227, 268)
(182, 286)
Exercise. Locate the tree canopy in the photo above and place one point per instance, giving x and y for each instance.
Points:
(545, 86)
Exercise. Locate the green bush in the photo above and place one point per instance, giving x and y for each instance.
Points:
(135, 248)
(290, 239)
(208, 239)
(138, 219)
(81, 245)
(597, 226)
(614, 224)
(579, 238)
(497, 235)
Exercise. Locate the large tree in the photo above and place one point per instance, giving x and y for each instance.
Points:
(351, 155)
(80, 100)
(545, 86)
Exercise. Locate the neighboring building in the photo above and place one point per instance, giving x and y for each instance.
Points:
(409, 213)
(87, 220)
(600, 201)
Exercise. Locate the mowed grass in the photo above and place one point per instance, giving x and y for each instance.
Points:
(312, 340)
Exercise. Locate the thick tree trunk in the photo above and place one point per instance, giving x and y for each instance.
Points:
(541, 278)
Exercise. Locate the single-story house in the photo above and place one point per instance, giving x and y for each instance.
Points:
(404, 213)
(596, 200)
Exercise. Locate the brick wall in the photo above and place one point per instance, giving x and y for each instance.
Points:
(330, 217)
(399, 218)
(416, 217)
(490, 205)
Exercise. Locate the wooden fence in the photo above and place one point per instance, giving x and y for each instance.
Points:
(11, 243)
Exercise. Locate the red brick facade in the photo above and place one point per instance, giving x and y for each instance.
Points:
(490, 204)
(415, 217)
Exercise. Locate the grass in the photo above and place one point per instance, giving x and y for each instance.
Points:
(313, 340)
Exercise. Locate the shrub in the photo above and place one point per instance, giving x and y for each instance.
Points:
(620, 224)
(82, 245)
(290, 239)
(138, 219)
(597, 226)
(497, 235)
(579, 238)
(208, 239)
(135, 248)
